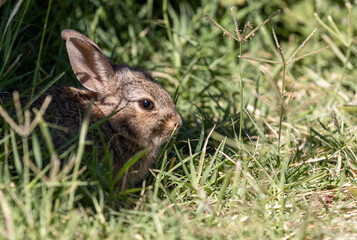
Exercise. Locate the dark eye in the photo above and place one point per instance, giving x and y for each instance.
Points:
(146, 104)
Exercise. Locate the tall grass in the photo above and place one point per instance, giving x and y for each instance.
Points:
(267, 149)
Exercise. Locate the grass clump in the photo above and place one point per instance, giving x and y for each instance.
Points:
(266, 150)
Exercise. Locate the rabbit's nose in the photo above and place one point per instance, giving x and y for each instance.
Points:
(176, 121)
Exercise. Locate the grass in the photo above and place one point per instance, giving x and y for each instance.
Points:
(266, 150)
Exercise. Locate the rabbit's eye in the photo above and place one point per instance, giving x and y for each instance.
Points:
(146, 104)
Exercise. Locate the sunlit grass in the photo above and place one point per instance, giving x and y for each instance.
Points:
(278, 161)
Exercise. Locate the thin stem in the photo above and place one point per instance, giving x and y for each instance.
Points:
(281, 109)
(40, 50)
(330, 30)
(225, 32)
(335, 28)
(26, 177)
(306, 55)
(302, 44)
(241, 100)
(251, 34)
(236, 27)
(79, 155)
(166, 20)
(280, 50)
(259, 60)
(349, 22)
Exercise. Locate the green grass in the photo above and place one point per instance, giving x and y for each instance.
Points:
(298, 182)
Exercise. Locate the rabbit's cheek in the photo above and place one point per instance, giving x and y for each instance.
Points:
(112, 104)
(125, 125)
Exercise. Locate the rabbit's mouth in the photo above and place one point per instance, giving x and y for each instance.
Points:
(158, 140)
(170, 134)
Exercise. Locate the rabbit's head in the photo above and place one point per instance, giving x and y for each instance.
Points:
(146, 114)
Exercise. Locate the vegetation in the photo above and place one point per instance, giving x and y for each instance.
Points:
(267, 149)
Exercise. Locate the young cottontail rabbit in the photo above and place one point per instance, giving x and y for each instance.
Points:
(146, 113)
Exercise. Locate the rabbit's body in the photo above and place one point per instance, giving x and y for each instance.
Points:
(67, 109)
(146, 115)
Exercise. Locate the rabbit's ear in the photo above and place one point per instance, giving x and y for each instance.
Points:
(91, 67)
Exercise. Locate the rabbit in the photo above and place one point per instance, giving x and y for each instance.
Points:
(146, 115)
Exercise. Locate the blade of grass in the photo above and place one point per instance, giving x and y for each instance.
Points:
(40, 49)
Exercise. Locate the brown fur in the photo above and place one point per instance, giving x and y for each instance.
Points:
(112, 87)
